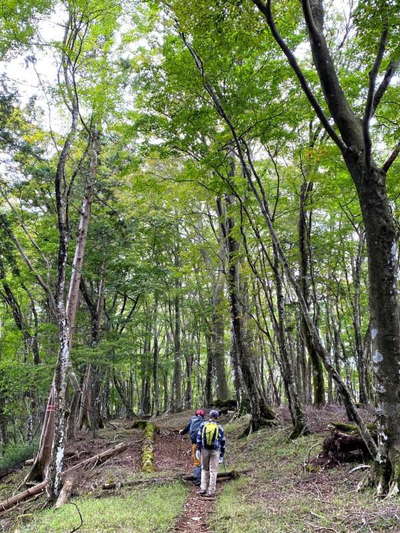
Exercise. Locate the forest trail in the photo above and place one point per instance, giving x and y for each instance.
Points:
(173, 453)
(121, 475)
(280, 492)
(196, 511)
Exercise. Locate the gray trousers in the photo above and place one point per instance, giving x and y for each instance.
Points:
(209, 470)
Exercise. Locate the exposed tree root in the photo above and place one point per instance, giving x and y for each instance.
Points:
(260, 424)
(6, 471)
(66, 491)
(384, 475)
(343, 445)
(300, 430)
(226, 406)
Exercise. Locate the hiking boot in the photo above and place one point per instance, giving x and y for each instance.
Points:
(201, 492)
(210, 496)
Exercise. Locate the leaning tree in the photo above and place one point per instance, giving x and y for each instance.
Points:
(351, 131)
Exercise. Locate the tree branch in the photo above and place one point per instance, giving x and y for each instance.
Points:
(390, 72)
(29, 264)
(345, 119)
(267, 12)
(392, 158)
(369, 107)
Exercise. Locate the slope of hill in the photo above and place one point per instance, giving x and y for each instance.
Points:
(279, 493)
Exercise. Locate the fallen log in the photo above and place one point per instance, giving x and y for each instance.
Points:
(148, 448)
(37, 489)
(351, 429)
(221, 476)
(25, 495)
(67, 455)
(101, 457)
(134, 483)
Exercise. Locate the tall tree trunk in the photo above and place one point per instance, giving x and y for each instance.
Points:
(189, 370)
(156, 385)
(361, 365)
(208, 387)
(354, 141)
(304, 248)
(261, 413)
(218, 345)
(295, 405)
(177, 379)
(66, 312)
(381, 237)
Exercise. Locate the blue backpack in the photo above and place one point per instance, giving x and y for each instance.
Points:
(195, 426)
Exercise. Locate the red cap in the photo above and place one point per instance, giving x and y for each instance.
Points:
(200, 412)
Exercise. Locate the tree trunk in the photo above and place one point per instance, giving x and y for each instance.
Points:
(304, 248)
(361, 366)
(261, 413)
(156, 386)
(177, 379)
(208, 387)
(295, 406)
(381, 237)
(188, 378)
(218, 347)
(355, 145)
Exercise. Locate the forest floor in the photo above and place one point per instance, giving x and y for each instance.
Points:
(279, 494)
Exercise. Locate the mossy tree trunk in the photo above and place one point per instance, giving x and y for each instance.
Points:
(148, 447)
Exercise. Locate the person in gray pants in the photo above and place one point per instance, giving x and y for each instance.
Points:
(210, 444)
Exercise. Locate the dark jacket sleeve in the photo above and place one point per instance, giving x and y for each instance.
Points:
(186, 428)
(221, 437)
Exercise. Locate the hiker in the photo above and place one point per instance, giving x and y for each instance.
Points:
(211, 448)
(192, 428)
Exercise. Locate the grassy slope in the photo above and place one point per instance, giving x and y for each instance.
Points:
(139, 511)
(280, 495)
(142, 509)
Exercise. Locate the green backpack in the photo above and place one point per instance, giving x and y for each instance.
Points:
(210, 436)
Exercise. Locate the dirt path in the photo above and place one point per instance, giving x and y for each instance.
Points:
(172, 452)
(195, 514)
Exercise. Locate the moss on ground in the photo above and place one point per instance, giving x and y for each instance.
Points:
(140, 511)
(281, 496)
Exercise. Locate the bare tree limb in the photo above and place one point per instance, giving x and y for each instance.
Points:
(390, 72)
(267, 12)
(344, 117)
(369, 107)
(392, 158)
